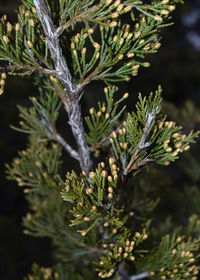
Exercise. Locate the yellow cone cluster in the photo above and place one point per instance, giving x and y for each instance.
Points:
(2, 83)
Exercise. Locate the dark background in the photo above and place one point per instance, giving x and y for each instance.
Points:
(176, 67)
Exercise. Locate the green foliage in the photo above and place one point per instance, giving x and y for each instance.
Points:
(59, 272)
(101, 123)
(37, 167)
(146, 136)
(25, 46)
(174, 257)
(44, 220)
(118, 45)
(17, 43)
(41, 118)
(93, 198)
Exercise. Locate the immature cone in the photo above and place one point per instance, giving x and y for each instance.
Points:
(6, 39)
(9, 27)
(3, 76)
(113, 24)
(29, 44)
(17, 27)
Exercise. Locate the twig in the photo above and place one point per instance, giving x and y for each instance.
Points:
(90, 77)
(11, 68)
(67, 147)
(63, 74)
(103, 141)
(76, 18)
(142, 144)
(61, 28)
(139, 276)
(54, 135)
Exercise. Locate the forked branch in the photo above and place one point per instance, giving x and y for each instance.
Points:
(72, 91)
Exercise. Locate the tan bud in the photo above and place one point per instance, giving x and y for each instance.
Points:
(9, 27)
(114, 134)
(158, 18)
(120, 57)
(110, 189)
(130, 35)
(104, 173)
(111, 160)
(110, 196)
(114, 15)
(171, 8)
(83, 51)
(91, 111)
(137, 34)
(31, 22)
(90, 30)
(137, 234)
(97, 55)
(113, 24)
(187, 148)
(6, 39)
(27, 14)
(94, 208)
(29, 44)
(2, 82)
(89, 191)
(34, 10)
(116, 3)
(121, 41)
(120, 7)
(108, 2)
(3, 76)
(146, 64)
(115, 38)
(96, 46)
(125, 96)
(130, 55)
(92, 174)
(164, 12)
(157, 45)
(17, 27)
(127, 9)
(165, 2)
(110, 179)
(107, 116)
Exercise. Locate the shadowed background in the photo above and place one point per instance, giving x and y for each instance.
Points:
(176, 67)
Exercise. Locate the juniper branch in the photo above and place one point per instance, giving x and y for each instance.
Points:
(67, 147)
(142, 144)
(62, 27)
(139, 276)
(72, 91)
(12, 68)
